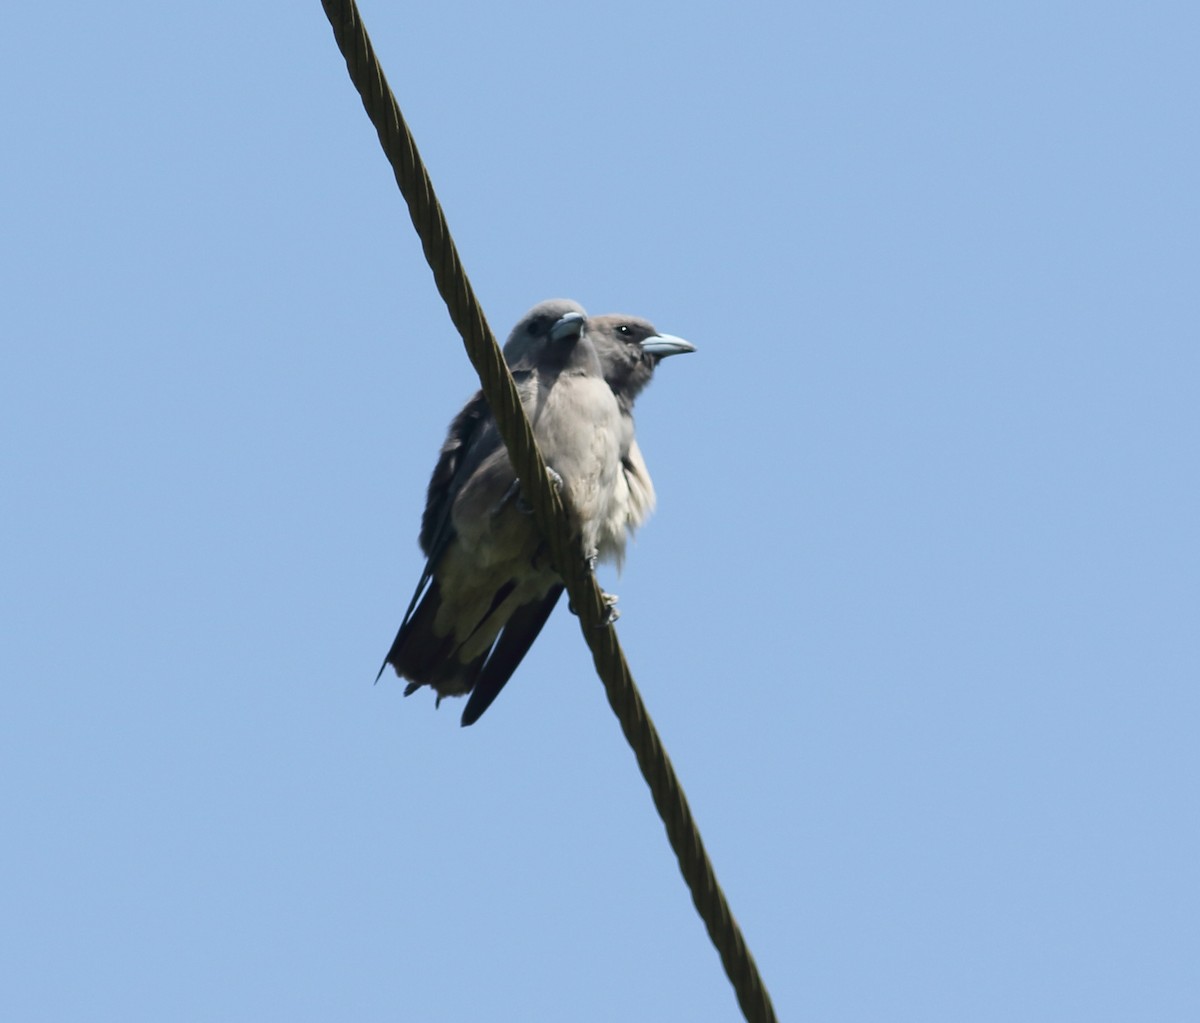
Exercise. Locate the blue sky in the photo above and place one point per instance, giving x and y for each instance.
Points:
(916, 617)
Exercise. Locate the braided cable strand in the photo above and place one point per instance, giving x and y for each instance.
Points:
(549, 516)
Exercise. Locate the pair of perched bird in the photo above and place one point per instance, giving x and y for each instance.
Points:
(488, 586)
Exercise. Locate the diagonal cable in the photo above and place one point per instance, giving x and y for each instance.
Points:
(585, 595)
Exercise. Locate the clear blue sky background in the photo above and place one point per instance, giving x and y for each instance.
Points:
(917, 616)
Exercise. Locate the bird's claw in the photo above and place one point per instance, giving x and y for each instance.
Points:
(611, 614)
(514, 493)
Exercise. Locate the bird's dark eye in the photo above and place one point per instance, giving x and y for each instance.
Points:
(539, 326)
(625, 329)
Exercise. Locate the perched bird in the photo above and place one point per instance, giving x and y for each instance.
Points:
(629, 349)
(488, 587)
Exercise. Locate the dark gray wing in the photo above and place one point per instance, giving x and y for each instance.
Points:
(469, 440)
(455, 461)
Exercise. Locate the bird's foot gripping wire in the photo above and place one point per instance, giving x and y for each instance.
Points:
(611, 613)
(514, 492)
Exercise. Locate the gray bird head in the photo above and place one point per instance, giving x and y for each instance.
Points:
(529, 336)
(629, 349)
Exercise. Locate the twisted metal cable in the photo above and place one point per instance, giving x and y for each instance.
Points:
(585, 595)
